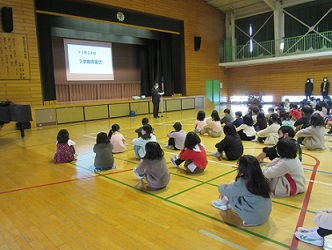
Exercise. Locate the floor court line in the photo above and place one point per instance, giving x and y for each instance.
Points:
(147, 192)
(208, 183)
(61, 182)
(305, 203)
(203, 214)
(319, 182)
(222, 240)
(318, 171)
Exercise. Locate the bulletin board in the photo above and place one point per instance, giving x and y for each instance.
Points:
(14, 59)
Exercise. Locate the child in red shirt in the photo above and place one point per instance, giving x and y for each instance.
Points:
(295, 112)
(193, 154)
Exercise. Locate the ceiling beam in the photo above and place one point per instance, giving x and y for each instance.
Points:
(271, 4)
(289, 3)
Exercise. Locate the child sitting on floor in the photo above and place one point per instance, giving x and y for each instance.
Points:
(271, 152)
(248, 195)
(238, 119)
(153, 167)
(246, 131)
(228, 118)
(193, 154)
(200, 121)
(213, 128)
(313, 137)
(139, 130)
(285, 174)
(118, 141)
(176, 137)
(103, 148)
(65, 151)
(269, 135)
(139, 143)
(231, 144)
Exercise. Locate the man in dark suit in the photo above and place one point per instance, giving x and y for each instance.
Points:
(156, 93)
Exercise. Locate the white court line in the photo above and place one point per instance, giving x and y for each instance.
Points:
(222, 240)
(90, 136)
(221, 163)
(319, 182)
(216, 162)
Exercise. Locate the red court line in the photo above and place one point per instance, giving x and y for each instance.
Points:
(300, 221)
(60, 182)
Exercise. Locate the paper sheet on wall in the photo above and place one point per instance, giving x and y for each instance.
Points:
(14, 59)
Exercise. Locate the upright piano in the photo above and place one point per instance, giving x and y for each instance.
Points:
(20, 113)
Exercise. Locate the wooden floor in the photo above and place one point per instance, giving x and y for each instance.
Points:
(67, 206)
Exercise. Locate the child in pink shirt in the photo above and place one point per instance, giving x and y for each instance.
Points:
(117, 140)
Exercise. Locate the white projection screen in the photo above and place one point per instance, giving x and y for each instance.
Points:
(88, 60)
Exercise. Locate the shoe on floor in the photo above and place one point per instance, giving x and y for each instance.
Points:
(216, 154)
(306, 230)
(221, 205)
(249, 224)
(173, 162)
(254, 140)
(303, 237)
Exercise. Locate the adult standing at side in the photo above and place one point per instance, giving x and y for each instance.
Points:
(324, 88)
(156, 93)
(309, 87)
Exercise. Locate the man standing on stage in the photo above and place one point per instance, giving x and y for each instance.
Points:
(156, 93)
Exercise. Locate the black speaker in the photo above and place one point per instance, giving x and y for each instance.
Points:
(197, 43)
(7, 19)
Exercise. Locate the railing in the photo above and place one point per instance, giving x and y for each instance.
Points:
(314, 42)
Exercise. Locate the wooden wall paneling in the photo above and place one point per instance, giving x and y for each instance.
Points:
(96, 112)
(162, 106)
(118, 110)
(45, 117)
(188, 103)
(69, 114)
(140, 107)
(173, 105)
(279, 79)
(28, 91)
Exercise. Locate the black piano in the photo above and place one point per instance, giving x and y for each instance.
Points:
(20, 113)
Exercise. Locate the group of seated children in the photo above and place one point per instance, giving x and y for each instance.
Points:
(250, 193)
(105, 147)
(308, 124)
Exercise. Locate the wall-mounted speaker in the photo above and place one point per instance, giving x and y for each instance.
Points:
(7, 19)
(197, 43)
